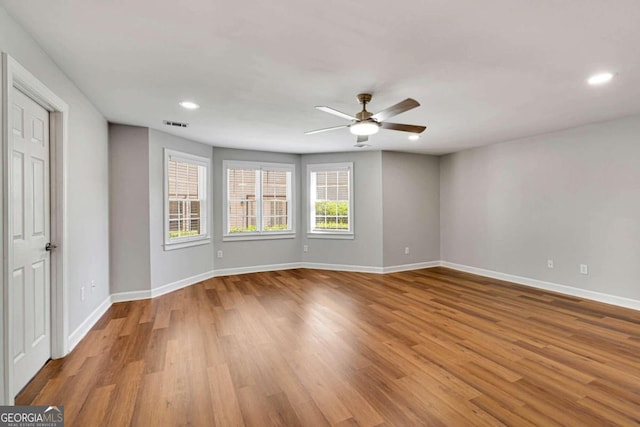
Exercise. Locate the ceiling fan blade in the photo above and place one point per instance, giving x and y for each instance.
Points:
(362, 138)
(335, 112)
(311, 132)
(394, 110)
(403, 128)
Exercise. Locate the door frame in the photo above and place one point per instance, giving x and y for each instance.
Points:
(15, 76)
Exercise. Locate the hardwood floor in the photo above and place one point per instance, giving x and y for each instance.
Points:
(306, 347)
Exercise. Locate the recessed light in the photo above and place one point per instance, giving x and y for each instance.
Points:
(599, 79)
(414, 137)
(189, 105)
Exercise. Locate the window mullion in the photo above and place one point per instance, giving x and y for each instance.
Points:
(202, 199)
(350, 194)
(259, 200)
(228, 222)
(289, 176)
(312, 200)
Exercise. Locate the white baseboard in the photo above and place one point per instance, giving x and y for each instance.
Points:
(548, 286)
(371, 269)
(409, 267)
(161, 290)
(342, 267)
(76, 336)
(130, 296)
(179, 284)
(256, 269)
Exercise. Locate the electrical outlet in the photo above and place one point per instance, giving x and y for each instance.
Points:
(406, 250)
(219, 254)
(550, 263)
(305, 248)
(584, 269)
(82, 293)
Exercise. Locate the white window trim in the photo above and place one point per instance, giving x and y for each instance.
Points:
(202, 239)
(329, 234)
(258, 235)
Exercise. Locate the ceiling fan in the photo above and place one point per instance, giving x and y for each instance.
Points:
(364, 123)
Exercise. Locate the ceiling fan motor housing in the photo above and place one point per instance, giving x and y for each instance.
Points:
(364, 99)
(363, 115)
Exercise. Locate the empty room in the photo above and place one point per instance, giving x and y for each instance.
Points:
(420, 213)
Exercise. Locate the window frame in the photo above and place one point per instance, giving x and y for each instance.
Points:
(259, 234)
(329, 234)
(170, 243)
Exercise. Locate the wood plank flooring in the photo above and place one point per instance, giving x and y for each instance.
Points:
(312, 348)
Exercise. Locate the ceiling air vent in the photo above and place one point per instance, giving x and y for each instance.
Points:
(176, 124)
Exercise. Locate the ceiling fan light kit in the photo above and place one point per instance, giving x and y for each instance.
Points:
(365, 128)
(364, 123)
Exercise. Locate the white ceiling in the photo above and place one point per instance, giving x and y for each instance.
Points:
(484, 71)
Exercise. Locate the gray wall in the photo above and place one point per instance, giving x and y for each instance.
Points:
(366, 248)
(171, 266)
(411, 208)
(250, 253)
(87, 186)
(571, 196)
(130, 264)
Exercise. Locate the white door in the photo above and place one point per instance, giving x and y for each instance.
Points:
(31, 322)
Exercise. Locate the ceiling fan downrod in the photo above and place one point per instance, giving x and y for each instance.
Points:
(363, 98)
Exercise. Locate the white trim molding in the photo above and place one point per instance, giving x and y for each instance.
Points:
(179, 284)
(344, 267)
(161, 290)
(88, 323)
(259, 168)
(204, 197)
(548, 286)
(16, 77)
(257, 269)
(409, 267)
(183, 283)
(130, 296)
(334, 236)
(312, 169)
(263, 236)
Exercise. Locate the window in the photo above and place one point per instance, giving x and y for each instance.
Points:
(186, 207)
(330, 200)
(259, 201)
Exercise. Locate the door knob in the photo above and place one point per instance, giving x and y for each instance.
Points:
(49, 247)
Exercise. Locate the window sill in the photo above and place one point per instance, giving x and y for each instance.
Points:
(264, 236)
(187, 244)
(328, 235)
